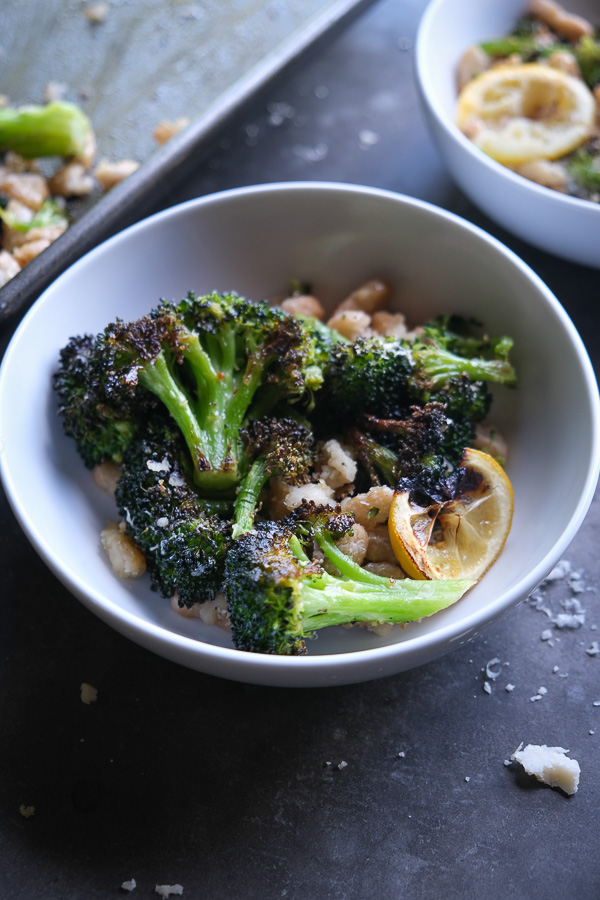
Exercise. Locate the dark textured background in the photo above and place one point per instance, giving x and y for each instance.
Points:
(235, 791)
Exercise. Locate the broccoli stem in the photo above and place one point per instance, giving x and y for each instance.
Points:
(363, 596)
(347, 567)
(508, 45)
(246, 388)
(329, 601)
(247, 498)
(57, 129)
(439, 366)
(223, 397)
(158, 378)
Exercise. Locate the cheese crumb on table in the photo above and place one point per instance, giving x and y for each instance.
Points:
(165, 890)
(89, 694)
(550, 765)
(129, 885)
(26, 811)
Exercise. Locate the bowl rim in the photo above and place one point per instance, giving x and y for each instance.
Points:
(247, 666)
(450, 128)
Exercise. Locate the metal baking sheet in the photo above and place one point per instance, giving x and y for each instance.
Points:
(144, 63)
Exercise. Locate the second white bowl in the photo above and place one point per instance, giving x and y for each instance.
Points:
(562, 225)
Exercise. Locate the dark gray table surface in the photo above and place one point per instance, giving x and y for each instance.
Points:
(236, 791)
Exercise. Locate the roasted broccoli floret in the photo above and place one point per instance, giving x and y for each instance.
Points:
(57, 129)
(422, 448)
(380, 462)
(278, 595)
(282, 447)
(587, 53)
(416, 403)
(102, 427)
(183, 537)
(383, 377)
(584, 169)
(206, 359)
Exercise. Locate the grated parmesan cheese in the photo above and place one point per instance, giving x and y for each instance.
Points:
(89, 694)
(550, 765)
(165, 890)
(163, 466)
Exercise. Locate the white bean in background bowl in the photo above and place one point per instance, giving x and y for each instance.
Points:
(557, 223)
(335, 237)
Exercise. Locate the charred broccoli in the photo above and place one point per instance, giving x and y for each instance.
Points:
(183, 537)
(277, 595)
(384, 376)
(202, 401)
(416, 403)
(101, 426)
(282, 447)
(206, 359)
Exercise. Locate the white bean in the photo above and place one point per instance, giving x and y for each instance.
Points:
(303, 305)
(351, 323)
(565, 24)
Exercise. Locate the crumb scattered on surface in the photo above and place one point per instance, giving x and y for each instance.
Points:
(89, 694)
(108, 174)
(167, 890)
(129, 885)
(96, 13)
(342, 764)
(550, 765)
(26, 811)
(164, 131)
(492, 669)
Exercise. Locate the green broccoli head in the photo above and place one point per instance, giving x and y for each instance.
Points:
(184, 540)
(272, 447)
(370, 375)
(101, 424)
(277, 595)
(210, 362)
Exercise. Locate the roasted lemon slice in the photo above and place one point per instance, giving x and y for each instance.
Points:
(460, 538)
(519, 113)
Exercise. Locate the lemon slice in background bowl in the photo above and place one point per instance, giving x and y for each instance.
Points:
(460, 538)
(519, 113)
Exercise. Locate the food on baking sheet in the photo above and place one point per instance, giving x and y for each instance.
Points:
(33, 191)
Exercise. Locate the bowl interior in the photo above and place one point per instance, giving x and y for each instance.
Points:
(335, 237)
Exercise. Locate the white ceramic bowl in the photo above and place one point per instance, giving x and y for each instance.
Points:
(561, 225)
(334, 236)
